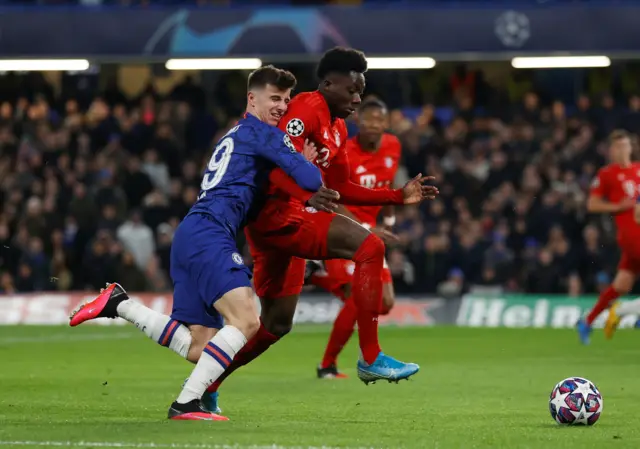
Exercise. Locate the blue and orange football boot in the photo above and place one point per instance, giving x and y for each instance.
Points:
(385, 368)
(210, 402)
(584, 331)
(104, 306)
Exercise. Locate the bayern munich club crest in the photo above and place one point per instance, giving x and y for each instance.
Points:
(237, 258)
(295, 127)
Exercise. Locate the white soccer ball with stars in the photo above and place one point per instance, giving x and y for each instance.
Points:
(575, 401)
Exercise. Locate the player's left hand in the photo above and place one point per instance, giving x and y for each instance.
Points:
(415, 191)
(324, 200)
(309, 151)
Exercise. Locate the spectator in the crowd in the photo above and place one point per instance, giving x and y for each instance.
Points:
(545, 277)
(137, 238)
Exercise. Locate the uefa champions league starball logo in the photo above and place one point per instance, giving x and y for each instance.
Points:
(513, 29)
(295, 127)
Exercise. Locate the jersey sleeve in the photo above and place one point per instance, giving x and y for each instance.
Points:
(299, 123)
(279, 149)
(600, 185)
(351, 193)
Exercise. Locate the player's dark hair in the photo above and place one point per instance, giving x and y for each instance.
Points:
(372, 103)
(341, 60)
(269, 74)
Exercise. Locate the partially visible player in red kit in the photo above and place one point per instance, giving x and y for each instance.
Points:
(373, 161)
(287, 231)
(615, 191)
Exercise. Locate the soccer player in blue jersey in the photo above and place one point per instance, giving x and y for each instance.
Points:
(211, 282)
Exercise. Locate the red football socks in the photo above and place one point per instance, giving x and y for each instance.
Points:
(606, 298)
(342, 330)
(367, 294)
(260, 342)
(324, 282)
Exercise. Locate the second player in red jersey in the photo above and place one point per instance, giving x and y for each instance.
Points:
(373, 162)
(615, 190)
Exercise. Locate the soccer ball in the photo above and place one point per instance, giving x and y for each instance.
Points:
(575, 401)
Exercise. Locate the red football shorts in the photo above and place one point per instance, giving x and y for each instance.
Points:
(630, 257)
(629, 261)
(280, 241)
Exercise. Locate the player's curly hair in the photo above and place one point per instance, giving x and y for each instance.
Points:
(341, 60)
(269, 74)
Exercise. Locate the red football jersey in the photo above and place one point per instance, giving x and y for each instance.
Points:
(374, 170)
(614, 183)
(308, 117)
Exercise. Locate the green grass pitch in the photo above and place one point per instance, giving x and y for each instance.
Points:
(98, 386)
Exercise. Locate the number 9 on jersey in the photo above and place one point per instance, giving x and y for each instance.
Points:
(218, 164)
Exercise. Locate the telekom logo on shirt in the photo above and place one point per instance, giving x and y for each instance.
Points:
(368, 181)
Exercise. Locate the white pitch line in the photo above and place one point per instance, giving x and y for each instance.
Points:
(63, 338)
(115, 444)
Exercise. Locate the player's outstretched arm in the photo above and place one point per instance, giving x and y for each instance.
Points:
(324, 199)
(636, 212)
(351, 193)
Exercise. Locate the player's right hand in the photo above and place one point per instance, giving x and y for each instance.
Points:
(324, 200)
(626, 204)
(309, 151)
(416, 191)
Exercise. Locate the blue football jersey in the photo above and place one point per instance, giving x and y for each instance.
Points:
(237, 175)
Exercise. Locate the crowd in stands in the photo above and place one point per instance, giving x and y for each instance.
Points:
(92, 191)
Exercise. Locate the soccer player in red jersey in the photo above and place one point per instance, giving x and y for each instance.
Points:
(615, 190)
(286, 232)
(373, 161)
(617, 310)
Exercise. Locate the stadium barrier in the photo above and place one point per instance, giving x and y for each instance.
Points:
(54, 308)
(469, 311)
(554, 311)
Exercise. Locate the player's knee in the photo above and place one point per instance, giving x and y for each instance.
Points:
(239, 310)
(277, 314)
(251, 326)
(278, 324)
(371, 249)
(247, 323)
(388, 301)
(623, 282)
(281, 328)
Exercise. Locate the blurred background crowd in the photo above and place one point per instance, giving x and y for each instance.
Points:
(94, 182)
